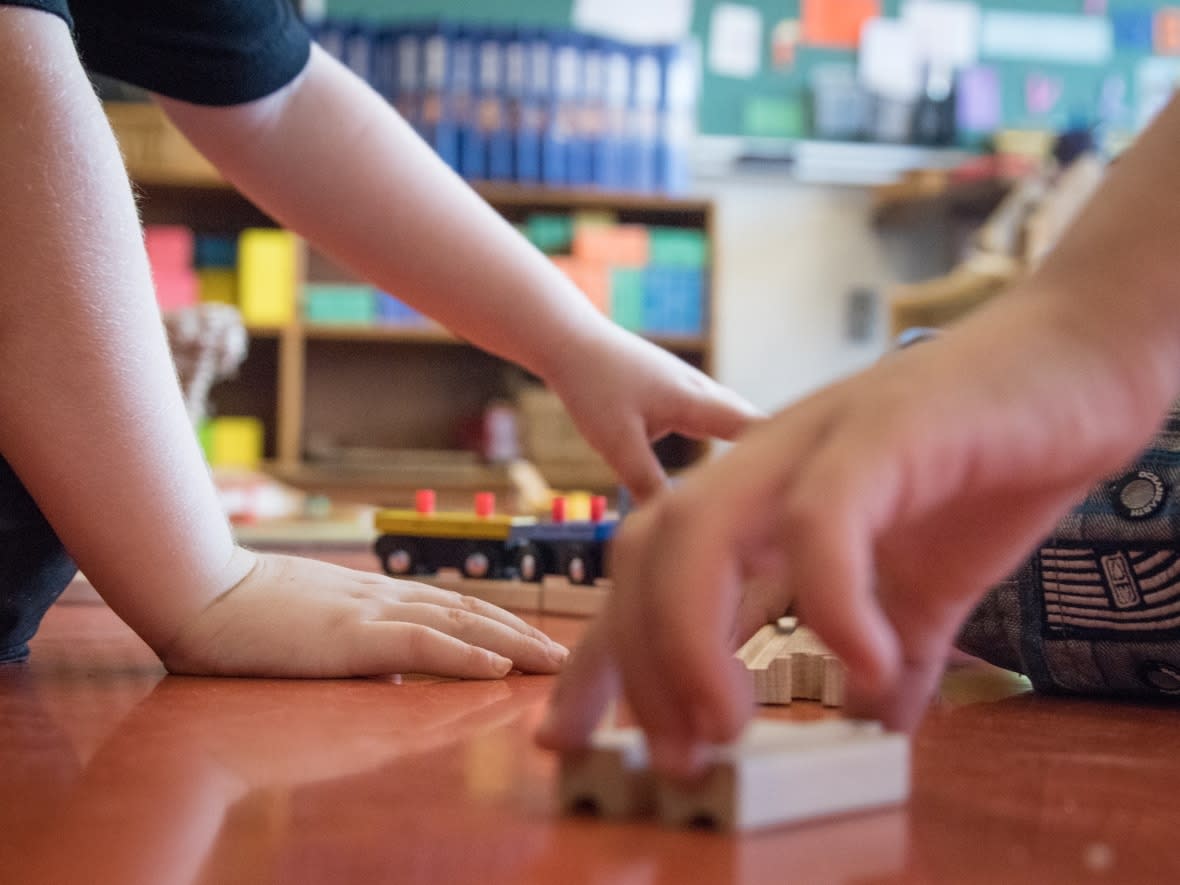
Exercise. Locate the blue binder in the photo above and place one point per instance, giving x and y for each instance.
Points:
(534, 106)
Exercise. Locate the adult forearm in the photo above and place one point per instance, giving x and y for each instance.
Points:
(1118, 267)
(329, 158)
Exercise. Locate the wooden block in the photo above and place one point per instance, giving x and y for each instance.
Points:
(784, 772)
(610, 778)
(792, 665)
(522, 596)
(560, 597)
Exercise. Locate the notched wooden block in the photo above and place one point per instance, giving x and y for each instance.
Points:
(777, 773)
(785, 772)
(610, 778)
(791, 663)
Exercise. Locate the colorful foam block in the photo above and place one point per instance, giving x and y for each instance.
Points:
(268, 274)
(339, 303)
(235, 441)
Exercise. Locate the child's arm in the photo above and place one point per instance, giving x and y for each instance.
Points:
(329, 158)
(885, 505)
(92, 421)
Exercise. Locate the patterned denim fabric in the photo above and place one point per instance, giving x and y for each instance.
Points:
(1096, 608)
(34, 567)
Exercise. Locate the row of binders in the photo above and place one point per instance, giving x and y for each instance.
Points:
(533, 106)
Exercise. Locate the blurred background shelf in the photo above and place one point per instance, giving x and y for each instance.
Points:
(408, 387)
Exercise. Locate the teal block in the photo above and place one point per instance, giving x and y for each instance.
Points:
(626, 298)
(339, 303)
(551, 233)
(678, 247)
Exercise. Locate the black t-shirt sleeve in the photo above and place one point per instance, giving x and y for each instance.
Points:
(212, 52)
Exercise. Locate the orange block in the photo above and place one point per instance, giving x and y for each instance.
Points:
(619, 245)
(837, 23)
(1167, 31)
(591, 277)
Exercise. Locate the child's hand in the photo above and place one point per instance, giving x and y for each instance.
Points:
(624, 393)
(882, 508)
(300, 617)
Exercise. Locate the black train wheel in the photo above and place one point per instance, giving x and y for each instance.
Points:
(531, 562)
(399, 556)
(580, 565)
(483, 561)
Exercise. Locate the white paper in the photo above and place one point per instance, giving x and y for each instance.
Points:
(735, 40)
(890, 63)
(638, 21)
(948, 30)
(1155, 81)
(1069, 39)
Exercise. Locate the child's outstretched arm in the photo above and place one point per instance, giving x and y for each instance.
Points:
(92, 421)
(330, 158)
(885, 505)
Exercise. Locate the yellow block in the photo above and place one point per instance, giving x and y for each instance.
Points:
(268, 276)
(448, 525)
(236, 441)
(219, 285)
(594, 218)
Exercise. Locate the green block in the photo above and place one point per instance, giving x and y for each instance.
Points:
(552, 234)
(678, 247)
(339, 303)
(626, 298)
(205, 437)
(766, 117)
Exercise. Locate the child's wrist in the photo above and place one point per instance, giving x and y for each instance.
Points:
(240, 565)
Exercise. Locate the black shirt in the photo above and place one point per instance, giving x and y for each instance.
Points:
(211, 52)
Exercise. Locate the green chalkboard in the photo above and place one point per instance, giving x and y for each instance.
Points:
(775, 100)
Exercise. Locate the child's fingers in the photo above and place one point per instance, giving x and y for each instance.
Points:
(633, 458)
(535, 654)
(379, 648)
(412, 592)
(719, 414)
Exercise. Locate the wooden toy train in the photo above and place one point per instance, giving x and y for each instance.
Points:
(484, 544)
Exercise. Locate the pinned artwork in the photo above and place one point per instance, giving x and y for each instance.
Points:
(784, 44)
(735, 40)
(1167, 31)
(1042, 92)
(837, 25)
(979, 101)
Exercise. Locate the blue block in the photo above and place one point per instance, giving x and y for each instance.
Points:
(1133, 29)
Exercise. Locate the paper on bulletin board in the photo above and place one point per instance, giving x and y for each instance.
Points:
(1067, 39)
(735, 40)
(948, 30)
(1156, 79)
(837, 24)
(979, 108)
(649, 21)
(890, 63)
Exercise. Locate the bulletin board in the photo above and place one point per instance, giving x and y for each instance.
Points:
(773, 101)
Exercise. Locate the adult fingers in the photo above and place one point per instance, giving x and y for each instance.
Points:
(588, 683)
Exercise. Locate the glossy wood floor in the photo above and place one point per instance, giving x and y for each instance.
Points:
(112, 772)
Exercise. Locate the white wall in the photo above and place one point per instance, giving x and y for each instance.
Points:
(788, 254)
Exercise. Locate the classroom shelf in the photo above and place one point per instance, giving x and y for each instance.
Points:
(389, 387)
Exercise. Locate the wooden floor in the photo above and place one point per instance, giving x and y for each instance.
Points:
(112, 772)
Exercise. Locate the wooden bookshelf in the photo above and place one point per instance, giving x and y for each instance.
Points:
(389, 387)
